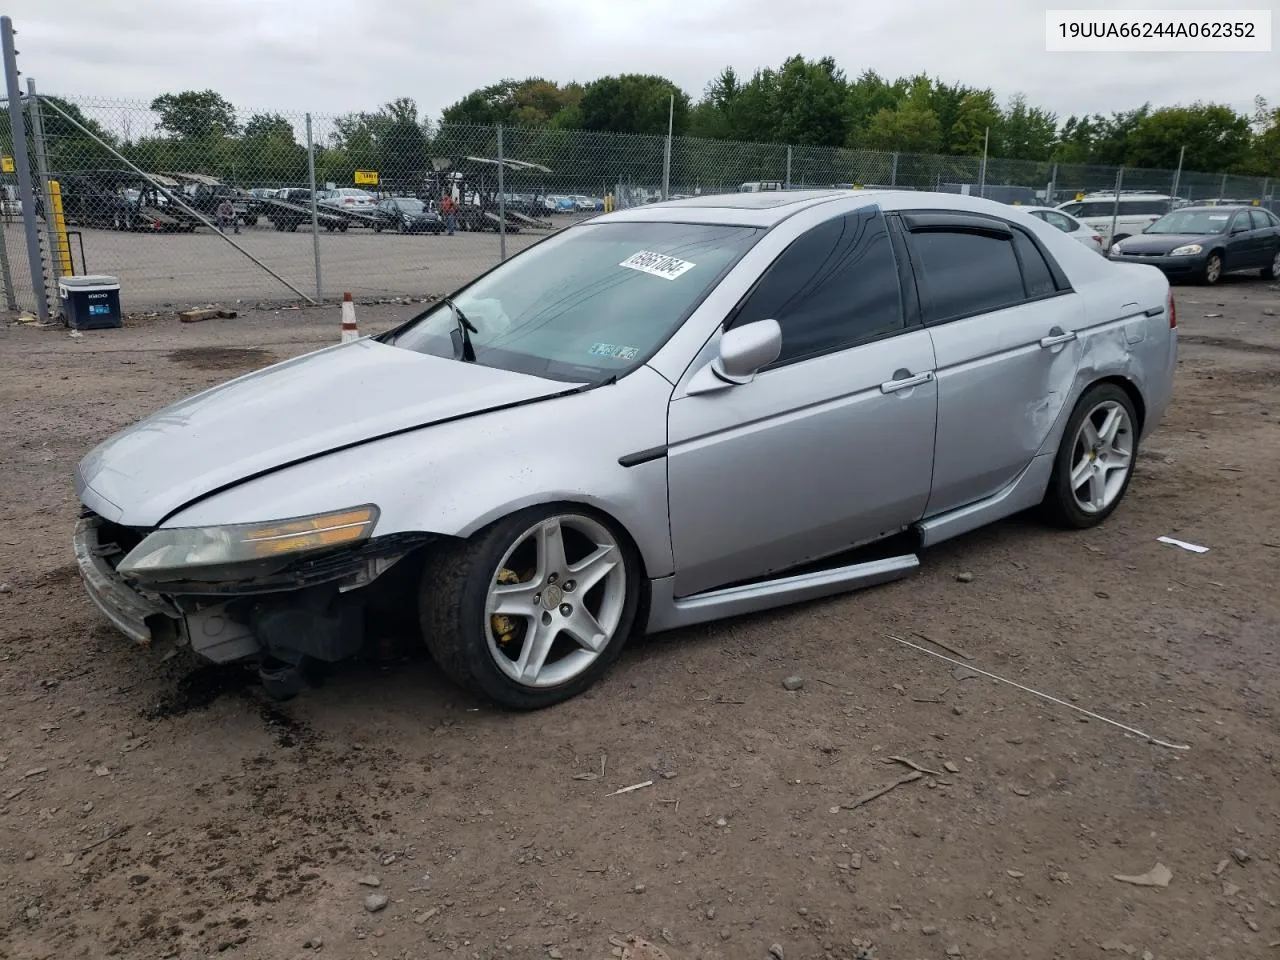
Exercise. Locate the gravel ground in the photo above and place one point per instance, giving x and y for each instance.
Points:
(147, 810)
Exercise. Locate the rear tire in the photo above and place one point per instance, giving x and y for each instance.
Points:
(1273, 271)
(1095, 459)
(462, 581)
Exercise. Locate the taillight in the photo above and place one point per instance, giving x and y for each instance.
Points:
(1173, 312)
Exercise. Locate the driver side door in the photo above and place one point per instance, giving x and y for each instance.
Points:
(829, 446)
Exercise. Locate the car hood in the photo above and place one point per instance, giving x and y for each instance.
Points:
(1151, 243)
(313, 404)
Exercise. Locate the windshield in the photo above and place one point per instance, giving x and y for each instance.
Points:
(1190, 221)
(592, 302)
(409, 206)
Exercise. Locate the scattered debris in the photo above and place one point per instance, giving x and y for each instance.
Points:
(426, 915)
(951, 766)
(375, 902)
(1115, 946)
(1241, 856)
(793, 683)
(15, 793)
(29, 855)
(34, 772)
(953, 951)
(1193, 547)
(775, 951)
(1230, 889)
(369, 881)
(555, 954)
(315, 943)
(634, 786)
(876, 794)
(1016, 874)
(1022, 791)
(1212, 316)
(913, 765)
(101, 770)
(965, 577)
(929, 930)
(1222, 865)
(195, 316)
(1157, 876)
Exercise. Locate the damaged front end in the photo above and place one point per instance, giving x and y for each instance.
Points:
(285, 594)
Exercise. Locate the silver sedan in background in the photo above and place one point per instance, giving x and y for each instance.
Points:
(656, 418)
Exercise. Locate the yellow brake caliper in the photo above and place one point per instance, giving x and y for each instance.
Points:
(505, 629)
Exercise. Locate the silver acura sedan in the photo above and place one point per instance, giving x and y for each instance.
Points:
(659, 417)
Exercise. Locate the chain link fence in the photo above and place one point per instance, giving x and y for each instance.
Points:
(194, 206)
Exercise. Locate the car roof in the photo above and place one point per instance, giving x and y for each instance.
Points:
(772, 207)
(1215, 208)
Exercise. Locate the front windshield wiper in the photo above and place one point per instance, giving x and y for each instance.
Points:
(465, 329)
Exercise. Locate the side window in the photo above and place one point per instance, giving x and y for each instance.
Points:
(1272, 219)
(1260, 221)
(1075, 209)
(1241, 221)
(834, 286)
(967, 273)
(1059, 221)
(1069, 225)
(1035, 272)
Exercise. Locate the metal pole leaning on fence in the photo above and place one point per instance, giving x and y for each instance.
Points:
(22, 166)
(1115, 207)
(58, 248)
(502, 202)
(315, 214)
(787, 184)
(1177, 175)
(172, 198)
(982, 174)
(666, 153)
(893, 170)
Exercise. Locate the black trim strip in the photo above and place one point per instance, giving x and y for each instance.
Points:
(643, 456)
(359, 443)
(1153, 311)
(928, 221)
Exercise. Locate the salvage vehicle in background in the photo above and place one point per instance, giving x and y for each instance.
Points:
(1204, 243)
(1067, 224)
(1131, 213)
(655, 418)
(406, 215)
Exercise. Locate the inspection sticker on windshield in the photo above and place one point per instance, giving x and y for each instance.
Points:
(1217, 216)
(614, 352)
(657, 264)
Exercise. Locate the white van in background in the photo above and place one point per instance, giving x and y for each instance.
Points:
(1136, 212)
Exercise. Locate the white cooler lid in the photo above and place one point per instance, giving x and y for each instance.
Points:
(91, 281)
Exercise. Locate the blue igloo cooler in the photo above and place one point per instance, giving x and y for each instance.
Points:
(90, 302)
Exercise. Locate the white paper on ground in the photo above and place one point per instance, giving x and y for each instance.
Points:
(1194, 548)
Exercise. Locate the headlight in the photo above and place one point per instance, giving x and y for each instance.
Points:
(1115, 249)
(1189, 250)
(187, 552)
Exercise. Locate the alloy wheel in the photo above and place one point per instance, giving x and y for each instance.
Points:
(1213, 269)
(1101, 457)
(555, 602)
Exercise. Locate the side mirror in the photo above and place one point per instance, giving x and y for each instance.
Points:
(743, 351)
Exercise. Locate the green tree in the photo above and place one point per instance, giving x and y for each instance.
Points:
(633, 103)
(1216, 138)
(68, 146)
(195, 115)
(910, 127)
(712, 116)
(1027, 133)
(867, 96)
(1111, 142)
(809, 106)
(1264, 150)
(977, 116)
(269, 152)
(1077, 139)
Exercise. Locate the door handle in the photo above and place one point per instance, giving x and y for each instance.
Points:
(905, 380)
(1057, 339)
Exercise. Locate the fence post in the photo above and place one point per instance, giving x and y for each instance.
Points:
(1051, 193)
(666, 153)
(502, 202)
(787, 184)
(1177, 175)
(893, 170)
(22, 166)
(315, 216)
(1222, 191)
(1115, 207)
(52, 237)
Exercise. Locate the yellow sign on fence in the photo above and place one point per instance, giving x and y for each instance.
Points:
(367, 178)
(6, 165)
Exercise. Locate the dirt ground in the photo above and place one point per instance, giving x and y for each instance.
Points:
(147, 811)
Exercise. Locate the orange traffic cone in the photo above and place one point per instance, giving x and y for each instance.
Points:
(350, 331)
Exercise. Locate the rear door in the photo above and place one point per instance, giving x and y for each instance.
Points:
(1246, 247)
(1004, 323)
(1266, 223)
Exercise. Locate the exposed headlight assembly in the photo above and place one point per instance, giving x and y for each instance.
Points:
(194, 552)
(1191, 249)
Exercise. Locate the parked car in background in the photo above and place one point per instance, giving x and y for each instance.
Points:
(348, 199)
(588, 203)
(1204, 243)
(1133, 212)
(728, 365)
(406, 215)
(1068, 225)
(290, 208)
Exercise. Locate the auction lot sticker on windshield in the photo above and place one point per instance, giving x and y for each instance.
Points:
(657, 264)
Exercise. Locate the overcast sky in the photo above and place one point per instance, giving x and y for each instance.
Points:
(334, 56)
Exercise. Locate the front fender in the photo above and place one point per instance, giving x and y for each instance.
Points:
(455, 478)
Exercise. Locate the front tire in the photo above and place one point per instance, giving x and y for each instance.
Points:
(534, 608)
(1273, 271)
(1211, 273)
(1095, 459)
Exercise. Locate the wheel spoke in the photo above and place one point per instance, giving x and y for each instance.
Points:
(1110, 427)
(1098, 488)
(514, 599)
(589, 571)
(1080, 473)
(533, 655)
(1089, 433)
(585, 629)
(1116, 460)
(550, 549)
